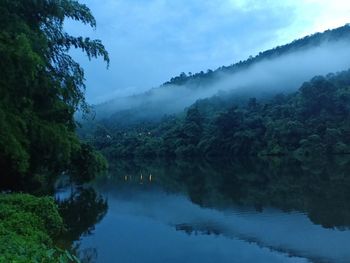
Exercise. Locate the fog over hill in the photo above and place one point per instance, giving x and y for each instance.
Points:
(282, 69)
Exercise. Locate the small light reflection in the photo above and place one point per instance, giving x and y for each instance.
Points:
(141, 179)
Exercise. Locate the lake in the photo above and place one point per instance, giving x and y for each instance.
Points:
(274, 210)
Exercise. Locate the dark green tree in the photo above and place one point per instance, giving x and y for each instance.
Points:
(41, 86)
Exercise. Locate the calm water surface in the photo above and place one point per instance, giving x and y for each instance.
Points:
(218, 211)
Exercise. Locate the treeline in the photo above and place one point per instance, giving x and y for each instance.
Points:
(310, 122)
(314, 40)
(182, 91)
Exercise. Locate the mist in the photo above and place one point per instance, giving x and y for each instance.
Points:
(282, 74)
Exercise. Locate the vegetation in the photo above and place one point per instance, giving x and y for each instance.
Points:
(311, 122)
(41, 88)
(314, 40)
(181, 91)
(28, 226)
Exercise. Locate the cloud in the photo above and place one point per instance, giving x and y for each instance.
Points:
(151, 41)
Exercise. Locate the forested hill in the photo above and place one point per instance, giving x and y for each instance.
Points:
(311, 41)
(310, 122)
(282, 69)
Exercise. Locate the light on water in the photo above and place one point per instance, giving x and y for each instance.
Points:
(247, 161)
(179, 212)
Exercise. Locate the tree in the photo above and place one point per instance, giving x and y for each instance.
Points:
(41, 86)
(192, 126)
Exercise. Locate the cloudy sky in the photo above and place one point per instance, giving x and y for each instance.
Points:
(150, 41)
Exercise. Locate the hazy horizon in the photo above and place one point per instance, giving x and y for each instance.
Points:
(282, 74)
(151, 41)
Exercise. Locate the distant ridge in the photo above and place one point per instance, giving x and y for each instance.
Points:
(182, 91)
(314, 40)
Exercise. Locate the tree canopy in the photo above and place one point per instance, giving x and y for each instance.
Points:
(41, 86)
(310, 122)
(313, 40)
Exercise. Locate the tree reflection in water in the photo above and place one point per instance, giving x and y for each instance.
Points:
(81, 211)
(318, 188)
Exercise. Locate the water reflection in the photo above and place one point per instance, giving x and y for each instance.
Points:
(81, 209)
(221, 211)
(322, 193)
(87, 255)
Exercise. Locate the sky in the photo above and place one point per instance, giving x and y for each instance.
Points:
(150, 41)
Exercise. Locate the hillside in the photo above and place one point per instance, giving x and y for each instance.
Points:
(281, 69)
(310, 122)
(311, 41)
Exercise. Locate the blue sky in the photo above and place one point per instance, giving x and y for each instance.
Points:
(150, 41)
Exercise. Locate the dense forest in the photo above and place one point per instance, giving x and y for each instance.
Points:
(310, 122)
(41, 88)
(314, 40)
(281, 69)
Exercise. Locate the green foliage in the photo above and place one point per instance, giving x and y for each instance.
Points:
(207, 78)
(311, 122)
(28, 226)
(41, 86)
(88, 163)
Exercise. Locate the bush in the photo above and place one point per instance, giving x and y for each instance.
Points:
(28, 225)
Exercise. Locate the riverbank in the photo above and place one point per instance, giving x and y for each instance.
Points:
(28, 226)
